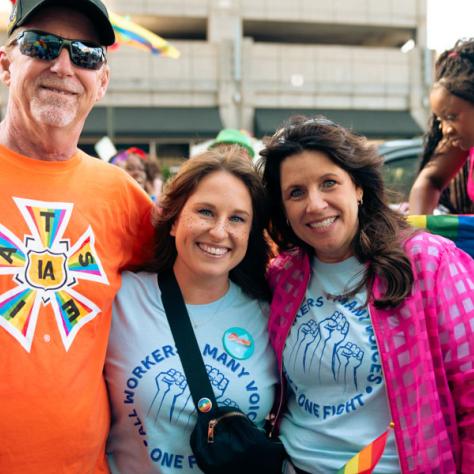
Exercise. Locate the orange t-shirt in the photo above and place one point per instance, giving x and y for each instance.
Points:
(66, 229)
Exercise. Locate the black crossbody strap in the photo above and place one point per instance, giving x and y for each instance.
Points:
(185, 340)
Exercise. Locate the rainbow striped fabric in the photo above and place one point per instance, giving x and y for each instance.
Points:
(458, 228)
(365, 460)
(128, 32)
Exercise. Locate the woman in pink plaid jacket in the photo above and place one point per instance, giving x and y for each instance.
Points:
(371, 321)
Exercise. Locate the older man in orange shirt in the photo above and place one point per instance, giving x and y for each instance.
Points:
(68, 224)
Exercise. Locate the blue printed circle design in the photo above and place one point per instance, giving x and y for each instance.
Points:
(238, 343)
(204, 405)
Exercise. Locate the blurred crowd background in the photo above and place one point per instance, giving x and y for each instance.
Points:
(247, 65)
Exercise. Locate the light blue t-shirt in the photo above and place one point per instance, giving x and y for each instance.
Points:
(153, 413)
(337, 398)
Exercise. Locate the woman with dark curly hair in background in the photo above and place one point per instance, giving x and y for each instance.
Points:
(446, 171)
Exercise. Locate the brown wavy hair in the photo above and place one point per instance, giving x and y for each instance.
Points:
(378, 242)
(249, 274)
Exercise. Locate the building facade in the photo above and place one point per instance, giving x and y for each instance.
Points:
(249, 64)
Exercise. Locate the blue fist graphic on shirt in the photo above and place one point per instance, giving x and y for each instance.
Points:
(349, 358)
(170, 385)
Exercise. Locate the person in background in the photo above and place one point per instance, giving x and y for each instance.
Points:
(231, 136)
(68, 224)
(133, 161)
(371, 321)
(210, 234)
(448, 157)
(154, 179)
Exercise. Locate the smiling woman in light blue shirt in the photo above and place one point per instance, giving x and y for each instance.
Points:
(210, 232)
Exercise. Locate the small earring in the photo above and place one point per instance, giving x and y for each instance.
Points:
(360, 202)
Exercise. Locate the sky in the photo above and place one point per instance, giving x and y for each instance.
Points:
(447, 21)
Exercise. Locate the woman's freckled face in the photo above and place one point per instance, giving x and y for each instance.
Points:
(213, 228)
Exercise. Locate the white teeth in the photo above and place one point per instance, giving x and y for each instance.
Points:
(213, 250)
(321, 224)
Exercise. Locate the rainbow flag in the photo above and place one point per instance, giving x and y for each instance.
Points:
(365, 460)
(128, 32)
(458, 228)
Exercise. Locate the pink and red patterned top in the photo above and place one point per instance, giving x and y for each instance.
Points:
(426, 346)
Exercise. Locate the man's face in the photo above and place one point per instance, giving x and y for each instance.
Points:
(52, 93)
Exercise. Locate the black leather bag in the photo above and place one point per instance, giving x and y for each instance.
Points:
(224, 439)
(228, 442)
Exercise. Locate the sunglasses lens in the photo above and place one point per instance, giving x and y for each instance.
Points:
(47, 47)
(87, 56)
(41, 46)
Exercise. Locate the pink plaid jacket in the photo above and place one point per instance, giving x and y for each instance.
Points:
(426, 346)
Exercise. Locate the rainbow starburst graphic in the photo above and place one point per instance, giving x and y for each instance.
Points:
(45, 269)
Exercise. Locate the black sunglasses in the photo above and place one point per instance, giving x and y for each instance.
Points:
(46, 46)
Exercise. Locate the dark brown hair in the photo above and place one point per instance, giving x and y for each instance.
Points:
(249, 274)
(378, 242)
(454, 70)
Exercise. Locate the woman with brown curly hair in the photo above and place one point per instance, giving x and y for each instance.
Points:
(371, 321)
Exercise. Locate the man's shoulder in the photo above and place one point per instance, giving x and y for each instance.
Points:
(97, 163)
